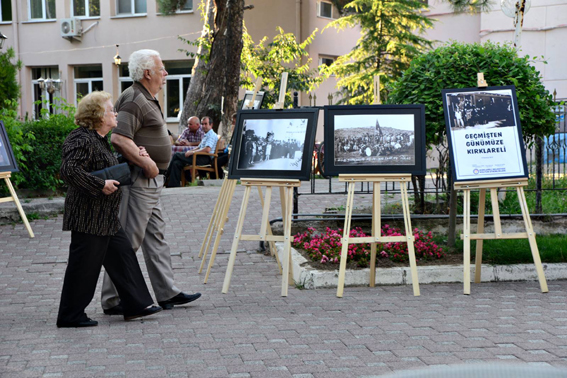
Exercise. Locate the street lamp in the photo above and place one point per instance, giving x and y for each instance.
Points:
(516, 9)
(117, 58)
(2, 39)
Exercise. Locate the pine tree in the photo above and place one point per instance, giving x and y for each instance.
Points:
(390, 39)
(9, 87)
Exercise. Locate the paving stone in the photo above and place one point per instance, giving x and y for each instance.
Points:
(252, 331)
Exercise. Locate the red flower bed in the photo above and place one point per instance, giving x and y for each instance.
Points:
(326, 247)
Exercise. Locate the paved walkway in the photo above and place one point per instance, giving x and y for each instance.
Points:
(254, 332)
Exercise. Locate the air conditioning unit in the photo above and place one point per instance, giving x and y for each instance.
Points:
(71, 28)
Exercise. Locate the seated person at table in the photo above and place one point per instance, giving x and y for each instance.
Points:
(190, 137)
(180, 159)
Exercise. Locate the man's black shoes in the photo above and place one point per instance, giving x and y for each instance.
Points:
(86, 322)
(179, 299)
(145, 312)
(116, 310)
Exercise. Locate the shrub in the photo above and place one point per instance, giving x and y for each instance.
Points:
(41, 171)
(326, 248)
(455, 65)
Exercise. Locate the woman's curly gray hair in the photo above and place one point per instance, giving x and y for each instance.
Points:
(90, 111)
(140, 61)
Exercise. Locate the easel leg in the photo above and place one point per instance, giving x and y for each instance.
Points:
(214, 220)
(271, 244)
(345, 240)
(409, 238)
(532, 239)
(220, 229)
(479, 230)
(287, 240)
(467, 241)
(376, 230)
(237, 235)
(19, 206)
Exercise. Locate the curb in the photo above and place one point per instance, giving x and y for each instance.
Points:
(41, 207)
(309, 278)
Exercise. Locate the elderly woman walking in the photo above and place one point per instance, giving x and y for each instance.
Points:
(91, 214)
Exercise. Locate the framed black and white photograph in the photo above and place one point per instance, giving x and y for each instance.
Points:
(276, 144)
(484, 133)
(7, 160)
(374, 139)
(257, 100)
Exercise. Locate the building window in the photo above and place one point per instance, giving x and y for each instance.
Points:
(86, 8)
(124, 77)
(46, 97)
(186, 7)
(178, 79)
(87, 79)
(41, 9)
(327, 10)
(131, 7)
(5, 10)
(326, 60)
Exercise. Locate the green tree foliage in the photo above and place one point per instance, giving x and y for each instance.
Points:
(470, 6)
(21, 142)
(456, 65)
(390, 40)
(270, 60)
(37, 146)
(9, 87)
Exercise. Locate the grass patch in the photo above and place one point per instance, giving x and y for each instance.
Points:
(553, 201)
(552, 249)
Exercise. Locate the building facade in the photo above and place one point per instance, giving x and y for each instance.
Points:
(68, 47)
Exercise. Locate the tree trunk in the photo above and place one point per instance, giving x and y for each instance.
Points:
(218, 76)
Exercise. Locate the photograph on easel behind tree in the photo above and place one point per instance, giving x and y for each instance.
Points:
(484, 133)
(374, 139)
(275, 144)
(7, 159)
(257, 100)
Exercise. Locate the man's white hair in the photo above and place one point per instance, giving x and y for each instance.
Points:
(140, 61)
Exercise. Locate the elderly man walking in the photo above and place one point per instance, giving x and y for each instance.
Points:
(141, 123)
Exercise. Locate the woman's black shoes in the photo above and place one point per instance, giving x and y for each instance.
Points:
(145, 312)
(88, 322)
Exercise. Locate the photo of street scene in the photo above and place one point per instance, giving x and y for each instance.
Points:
(480, 110)
(374, 139)
(272, 144)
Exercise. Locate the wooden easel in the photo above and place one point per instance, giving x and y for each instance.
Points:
(480, 236)
(376, 237)
(286, 196)
(217, 222)
(224, 200)
(14, 197)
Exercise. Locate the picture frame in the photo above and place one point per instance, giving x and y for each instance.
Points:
(7, 160)
(273, 144)
(374, 139)
(484, 133)
(257, 101)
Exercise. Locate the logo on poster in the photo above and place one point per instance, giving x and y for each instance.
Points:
(475, 171)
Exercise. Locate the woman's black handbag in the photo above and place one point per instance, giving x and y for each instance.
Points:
(119, 172)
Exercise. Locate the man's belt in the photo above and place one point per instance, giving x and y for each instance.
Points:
(162, 171)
